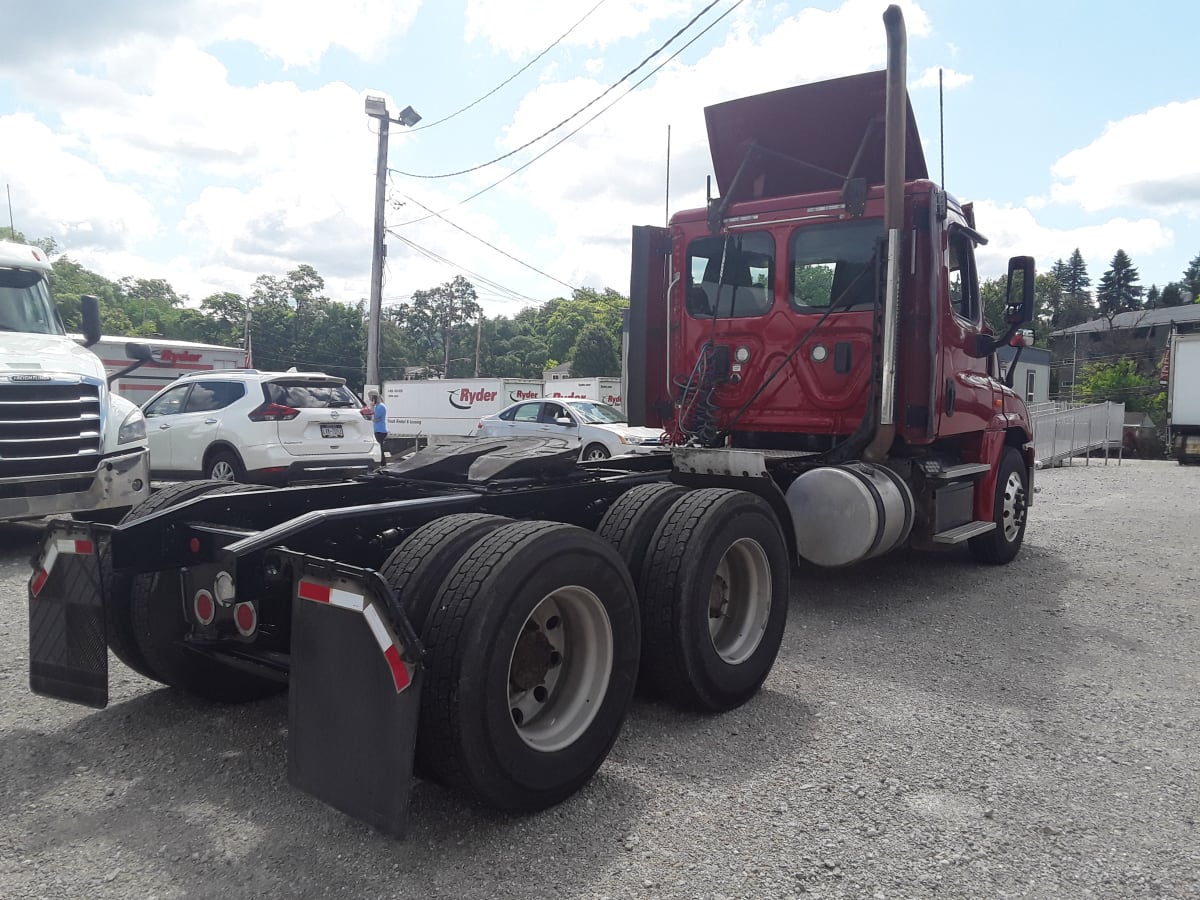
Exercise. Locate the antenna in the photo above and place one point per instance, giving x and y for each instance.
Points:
(11, 227)
(667, 213)
(942, 129)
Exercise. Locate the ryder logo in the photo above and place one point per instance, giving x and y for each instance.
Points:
(465, 398)
(522, 395)
(167, 355)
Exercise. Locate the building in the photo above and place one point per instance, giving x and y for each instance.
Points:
(558, 373)
(1032, 380)
(1140, 335)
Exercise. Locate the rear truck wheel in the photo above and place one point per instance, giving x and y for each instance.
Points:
(159, 628)
(714, 596)
(418, 567)
(119, 587)
(595, 451)
(632, 520)
(532, 654)
(224, 466)
(1002, 543)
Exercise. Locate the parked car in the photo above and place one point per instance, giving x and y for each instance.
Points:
(264, 427)
(599, 430)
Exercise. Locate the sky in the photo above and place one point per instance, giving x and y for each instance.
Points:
(208, 142)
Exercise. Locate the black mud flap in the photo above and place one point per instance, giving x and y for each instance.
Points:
(68, 653)
(355, 691)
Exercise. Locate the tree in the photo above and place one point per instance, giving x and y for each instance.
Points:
(1123, 383)
(1172, 295)
(1119, 290)
(1074, 277)
(594, 354)
(1153, 297)
(47, 245)
(1191, 278)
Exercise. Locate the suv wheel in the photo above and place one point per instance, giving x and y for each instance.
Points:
(224, 466)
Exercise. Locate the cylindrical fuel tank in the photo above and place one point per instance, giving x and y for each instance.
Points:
(849, 512)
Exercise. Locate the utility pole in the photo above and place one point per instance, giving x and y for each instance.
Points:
(376, 108)
(478, 336)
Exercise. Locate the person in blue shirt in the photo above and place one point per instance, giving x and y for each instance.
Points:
(379, 420)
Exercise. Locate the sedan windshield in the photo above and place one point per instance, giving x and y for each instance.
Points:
(599, 414)
(25, 304)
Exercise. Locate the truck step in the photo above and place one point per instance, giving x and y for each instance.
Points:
(966, 470)
(963, 532)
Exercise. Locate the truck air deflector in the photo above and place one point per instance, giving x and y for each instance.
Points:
(823, 125)
(355, 690)
(68, 652)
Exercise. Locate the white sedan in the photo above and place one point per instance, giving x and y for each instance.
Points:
(599, 430)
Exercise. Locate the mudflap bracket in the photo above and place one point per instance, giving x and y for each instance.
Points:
(355, 691)
(68, 648)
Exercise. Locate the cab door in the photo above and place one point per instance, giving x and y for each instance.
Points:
(966, 391)
(199, 424)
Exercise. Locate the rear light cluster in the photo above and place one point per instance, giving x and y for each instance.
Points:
(272, 412)
(367, 413)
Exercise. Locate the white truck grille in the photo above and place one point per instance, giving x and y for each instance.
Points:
(49, 428)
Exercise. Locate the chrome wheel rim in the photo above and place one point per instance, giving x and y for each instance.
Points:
(596, 453)
(739, 601)
(559, 669)
(1012, 508)
(222, 471)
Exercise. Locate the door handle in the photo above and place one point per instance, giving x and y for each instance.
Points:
(210, 421)
(163, 427)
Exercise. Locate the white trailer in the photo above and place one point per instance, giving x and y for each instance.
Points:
(449, 407)
(1183, 397)
(604, 390)
(170, 360)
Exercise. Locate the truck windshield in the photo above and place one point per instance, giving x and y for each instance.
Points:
(834, 263)
(25, 304)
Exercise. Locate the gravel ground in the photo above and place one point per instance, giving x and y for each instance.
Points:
(932, 728)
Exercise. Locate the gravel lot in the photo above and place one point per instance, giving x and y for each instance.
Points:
(931, 728)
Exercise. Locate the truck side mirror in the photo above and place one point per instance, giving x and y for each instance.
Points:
(1019, 291)
(89, 308)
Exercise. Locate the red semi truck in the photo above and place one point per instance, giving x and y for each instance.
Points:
(814, 342)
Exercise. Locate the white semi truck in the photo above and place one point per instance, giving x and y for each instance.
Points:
(68, 444)
(1183, 398)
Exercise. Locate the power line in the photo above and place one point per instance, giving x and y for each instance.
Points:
(612, 87)
(512, 295)
(519, 71)
(529, 266)
(571, 134)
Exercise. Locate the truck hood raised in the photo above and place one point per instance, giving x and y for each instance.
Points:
(48, 353)
(821, 124)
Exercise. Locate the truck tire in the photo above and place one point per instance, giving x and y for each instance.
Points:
(714, 595)
(532, 653)
(1003, 543)
(417, 568)
(119, 586)
(631, 521)
(159, 626)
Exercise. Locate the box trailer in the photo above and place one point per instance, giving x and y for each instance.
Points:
(604, 390)
(1183, 398)
(169, 360)
(450, 407)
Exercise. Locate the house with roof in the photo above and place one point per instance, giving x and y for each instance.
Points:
(1140, 335)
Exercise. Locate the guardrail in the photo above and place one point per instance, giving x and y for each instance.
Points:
(1062, 431)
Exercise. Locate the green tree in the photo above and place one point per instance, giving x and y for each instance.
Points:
(1153, 297)
(594, 353)
(1191, 278)
(1119, 290)
(1122, 382)
(1172, 295)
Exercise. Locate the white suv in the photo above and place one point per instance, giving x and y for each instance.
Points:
(265, 427)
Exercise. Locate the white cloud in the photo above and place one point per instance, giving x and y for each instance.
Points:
(56, 192)
(1015, 231)
(950, 79)
(1145, 161)
(522, 27)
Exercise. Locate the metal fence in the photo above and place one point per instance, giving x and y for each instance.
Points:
(1065, 430)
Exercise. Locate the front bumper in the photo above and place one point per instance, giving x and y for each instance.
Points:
(117, 482)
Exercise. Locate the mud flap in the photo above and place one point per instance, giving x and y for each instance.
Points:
(355, 691)
(68, 653)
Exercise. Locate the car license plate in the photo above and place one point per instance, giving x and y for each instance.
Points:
(331, 431)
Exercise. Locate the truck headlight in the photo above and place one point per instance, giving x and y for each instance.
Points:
(133, 428)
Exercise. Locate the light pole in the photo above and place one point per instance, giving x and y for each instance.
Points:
(376, 108)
